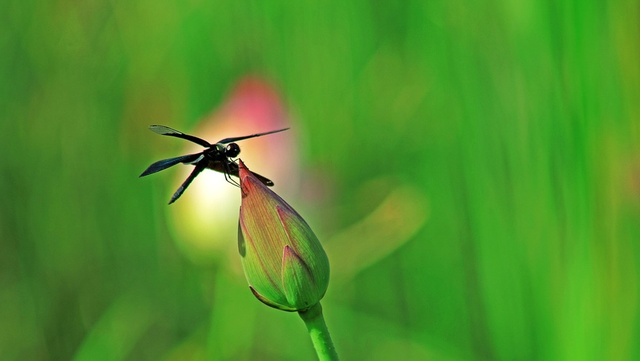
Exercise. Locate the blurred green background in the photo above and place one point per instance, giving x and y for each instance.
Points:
(473, 169)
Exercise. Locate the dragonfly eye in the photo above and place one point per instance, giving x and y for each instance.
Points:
(232, 150)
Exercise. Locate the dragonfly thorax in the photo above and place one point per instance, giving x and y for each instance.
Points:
(216, 152)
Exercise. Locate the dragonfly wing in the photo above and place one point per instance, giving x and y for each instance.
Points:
(166, 163)
(199, 168)
(264, 180)
(235, 139)
(164, 130)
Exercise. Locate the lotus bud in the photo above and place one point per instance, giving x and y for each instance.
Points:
(284, 262)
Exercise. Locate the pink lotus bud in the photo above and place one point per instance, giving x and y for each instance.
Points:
(282, 258)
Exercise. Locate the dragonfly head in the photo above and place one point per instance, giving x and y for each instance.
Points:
(232, 150)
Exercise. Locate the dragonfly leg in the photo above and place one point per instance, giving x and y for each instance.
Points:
(227, 175)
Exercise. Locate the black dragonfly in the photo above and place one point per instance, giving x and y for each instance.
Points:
(218, 156)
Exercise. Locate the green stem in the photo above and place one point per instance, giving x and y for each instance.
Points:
(319, 333)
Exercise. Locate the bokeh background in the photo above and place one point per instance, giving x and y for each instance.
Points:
(473, 169)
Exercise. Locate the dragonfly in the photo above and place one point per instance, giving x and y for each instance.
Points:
(217, 156)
